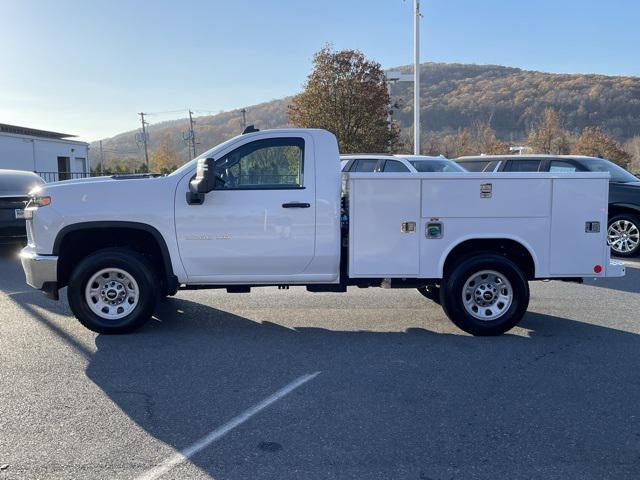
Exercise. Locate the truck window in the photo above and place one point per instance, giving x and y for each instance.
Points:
(522, 166)
(274, 163)
(394, 166)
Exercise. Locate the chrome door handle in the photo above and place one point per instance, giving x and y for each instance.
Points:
(296, 205)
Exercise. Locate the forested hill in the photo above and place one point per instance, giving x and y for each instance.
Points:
(453, 96)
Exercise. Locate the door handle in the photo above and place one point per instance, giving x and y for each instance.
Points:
(296, 205)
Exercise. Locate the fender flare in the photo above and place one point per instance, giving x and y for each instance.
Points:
(497, 237)
(164, 250)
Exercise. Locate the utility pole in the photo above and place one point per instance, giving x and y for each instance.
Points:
(244, 118)
(144, 139)
(101, 159)
(416, 78)
(192, 134)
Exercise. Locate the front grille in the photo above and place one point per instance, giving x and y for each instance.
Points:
(7, 203)
(20, 231)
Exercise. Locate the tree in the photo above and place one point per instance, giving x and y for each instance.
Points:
(632, 146)
(165, 158)
(484, 140)
(347, 94)
(549, 136)
(595, 142)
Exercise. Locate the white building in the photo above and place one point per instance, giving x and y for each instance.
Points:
(50, 154)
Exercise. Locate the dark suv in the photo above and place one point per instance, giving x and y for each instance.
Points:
(624, 189)
(15, 186)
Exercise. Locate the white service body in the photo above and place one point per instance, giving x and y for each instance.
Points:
(545, 213)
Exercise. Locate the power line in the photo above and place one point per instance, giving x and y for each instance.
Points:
(166, 112)
(214, 112)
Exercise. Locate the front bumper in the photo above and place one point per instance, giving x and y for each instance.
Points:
(39, 270)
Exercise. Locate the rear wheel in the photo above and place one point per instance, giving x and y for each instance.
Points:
(623, 235)
(113, 291)
(485, 294)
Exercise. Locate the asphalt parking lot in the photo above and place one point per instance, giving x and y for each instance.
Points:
(377, 385)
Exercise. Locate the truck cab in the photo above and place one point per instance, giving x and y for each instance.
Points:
(273, 215)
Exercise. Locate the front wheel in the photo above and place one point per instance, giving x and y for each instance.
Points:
(113, 291)
(623, 235)
(485, 294)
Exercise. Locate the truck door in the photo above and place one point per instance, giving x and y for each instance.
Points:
(260, 220)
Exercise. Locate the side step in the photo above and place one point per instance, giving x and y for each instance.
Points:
(239, 289)
(329, 287)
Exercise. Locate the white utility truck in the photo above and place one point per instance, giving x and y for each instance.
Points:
(267, 208)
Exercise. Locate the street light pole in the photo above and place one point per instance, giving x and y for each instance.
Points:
(416, 78)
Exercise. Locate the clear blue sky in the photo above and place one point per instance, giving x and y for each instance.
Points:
(87, 67)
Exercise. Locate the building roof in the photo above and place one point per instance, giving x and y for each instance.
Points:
(33, 132)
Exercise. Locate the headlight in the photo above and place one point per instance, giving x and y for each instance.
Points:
(39, 201)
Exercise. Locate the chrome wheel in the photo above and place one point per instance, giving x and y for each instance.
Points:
(112, 293)
(623, 236)
(487, 295)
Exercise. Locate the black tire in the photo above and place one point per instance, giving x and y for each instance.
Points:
(634, 224)
(432, 292)
(451, 294)
(135, 265)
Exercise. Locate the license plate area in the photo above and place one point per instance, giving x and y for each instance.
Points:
(19, 213)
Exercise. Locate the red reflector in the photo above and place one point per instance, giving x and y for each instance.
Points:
(597, 268)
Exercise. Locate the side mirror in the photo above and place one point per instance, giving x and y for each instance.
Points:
(203, 183)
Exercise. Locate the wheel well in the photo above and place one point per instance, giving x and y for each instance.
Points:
(75, 245)
(619, 209)
(511, 249)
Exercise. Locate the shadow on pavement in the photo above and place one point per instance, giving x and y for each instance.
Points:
(560, 403)
(629, 283)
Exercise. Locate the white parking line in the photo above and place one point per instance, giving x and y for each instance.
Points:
(220, 432)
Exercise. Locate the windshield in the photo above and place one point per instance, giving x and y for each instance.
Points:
(445, 166)
(618, 174)
(190, 165)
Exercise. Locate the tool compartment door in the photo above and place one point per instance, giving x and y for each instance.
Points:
(379, 208)
(574, 250)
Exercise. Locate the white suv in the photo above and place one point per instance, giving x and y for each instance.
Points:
(398, 163)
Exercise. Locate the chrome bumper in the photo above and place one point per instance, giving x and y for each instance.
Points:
(39, 269)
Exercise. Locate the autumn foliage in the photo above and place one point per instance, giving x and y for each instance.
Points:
(346, 94)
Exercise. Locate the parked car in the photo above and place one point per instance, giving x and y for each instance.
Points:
(15, 186)
(623, 232)
(398, 163)
(225, 220)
